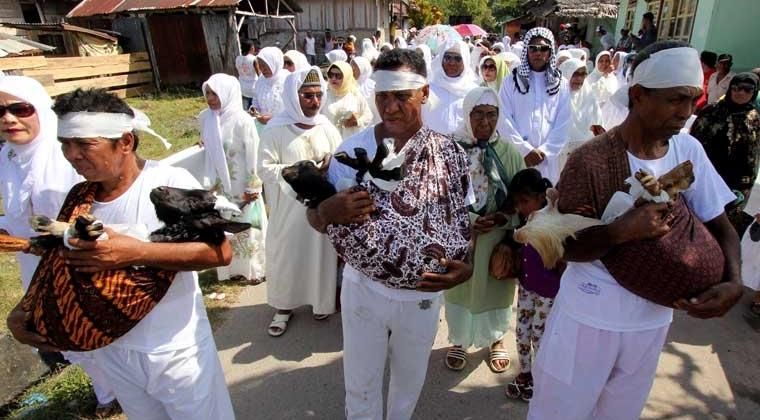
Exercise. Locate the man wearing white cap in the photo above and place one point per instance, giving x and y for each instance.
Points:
(536, 102)
(599, 353)
(301, 263)
(386, 319)
(166, 366)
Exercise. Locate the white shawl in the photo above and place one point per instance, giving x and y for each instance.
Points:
(462, 84)
(292, 112)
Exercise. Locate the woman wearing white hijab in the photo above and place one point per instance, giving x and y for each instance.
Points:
(362, 70)
(451, 80)
(345, 106)
(295, 61)
(620, 67)
(478, 310)
(584, 106)
(335, 56)
(603, 81)
(368, 50)
(35, 178)
(267, 95)
(579, 54)
(231, 141)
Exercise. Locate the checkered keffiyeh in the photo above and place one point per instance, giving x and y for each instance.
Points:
(522, 73)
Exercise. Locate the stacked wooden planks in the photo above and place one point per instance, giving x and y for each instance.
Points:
(125, 75)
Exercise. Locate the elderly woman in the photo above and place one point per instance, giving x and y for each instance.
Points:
(478, 311)
(231, 141)
(493, 71)
(267, 93)
(345, 106)
(603, 81)
(452, 79)
(586, 113)
(35, 181)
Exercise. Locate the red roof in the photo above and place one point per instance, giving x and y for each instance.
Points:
(107, 7)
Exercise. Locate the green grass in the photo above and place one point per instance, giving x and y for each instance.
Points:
(69, 391)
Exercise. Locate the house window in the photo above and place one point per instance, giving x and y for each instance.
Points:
(31, 13)
(630, 13)
(54, 40)
(677, 19)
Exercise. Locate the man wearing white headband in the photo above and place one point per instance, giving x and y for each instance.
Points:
(301, 263)
(167, 365)
(381, 322)
(599, 353)
(536, 101)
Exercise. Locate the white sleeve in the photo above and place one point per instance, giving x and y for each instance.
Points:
(507, 126)
(557, 135)
(708, 195)
(181, 178)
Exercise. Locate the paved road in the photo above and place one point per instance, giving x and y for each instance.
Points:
(708, 370)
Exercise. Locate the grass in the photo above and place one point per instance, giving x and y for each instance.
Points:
(68, 392)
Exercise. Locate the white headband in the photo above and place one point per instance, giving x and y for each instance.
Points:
(108, 125)
(670, 68)
(387, 80)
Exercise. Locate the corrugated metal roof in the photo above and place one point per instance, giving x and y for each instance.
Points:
(107, 7)
(574, 8)
(59, 27)
(14, 45)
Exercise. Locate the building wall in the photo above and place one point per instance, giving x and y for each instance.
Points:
(10, 11)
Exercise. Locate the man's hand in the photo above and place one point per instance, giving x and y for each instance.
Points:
(350, 121)
(18, 324)
(346, 207)
(713, 302)
(250, 197)
(534, 158)
(457, 272)
(648, 221)
(118, 251)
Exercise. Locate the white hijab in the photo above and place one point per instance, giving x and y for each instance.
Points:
(227, 89)
(366, 85)
(427, 55)
(269, 88)
(368, 50)
(292, 112)
(460, 85)
(34, 169)
(298, 59)
(621, 68)
(336, 55)
(478, 96)
(603, 85)
(584, 106)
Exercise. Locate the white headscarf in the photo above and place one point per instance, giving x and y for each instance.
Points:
(585, 109)
(603, 84)
(475, 59)
(401, 42)
(551, 74)
(507, 41)
(579, 54)
(621, 68)
(336, 55)
(366, 84)
(227, 89)
(512, 60)
(368, 50)
(298, 59)
(500, 46)
(478, 96)
(269, 89)
(275, 59)
(461, 84)
(292, 112)
(34, 169)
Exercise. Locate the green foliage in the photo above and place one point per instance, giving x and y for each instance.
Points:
(424, 13)
(485, 13)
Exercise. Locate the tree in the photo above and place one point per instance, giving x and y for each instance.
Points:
(423, 13)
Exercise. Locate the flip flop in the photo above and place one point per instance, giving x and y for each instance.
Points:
(279, 324)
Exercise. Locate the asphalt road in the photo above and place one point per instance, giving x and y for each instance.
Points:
(708, 370)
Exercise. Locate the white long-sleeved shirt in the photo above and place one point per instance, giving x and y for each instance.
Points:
(536, 120)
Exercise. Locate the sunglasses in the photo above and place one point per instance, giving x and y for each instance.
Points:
(488, 67)
(539, 48)
(311, 95)
(19, 109)
(334, 75)
(745, 88)
(452, 57)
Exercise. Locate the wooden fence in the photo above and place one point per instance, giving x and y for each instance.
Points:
(125, 75)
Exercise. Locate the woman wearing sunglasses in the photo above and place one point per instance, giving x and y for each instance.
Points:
(345, 106)
(493, 70)
(35, 179)
(729, 130)
(451, 80)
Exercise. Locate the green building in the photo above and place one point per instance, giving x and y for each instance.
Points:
(721, 26)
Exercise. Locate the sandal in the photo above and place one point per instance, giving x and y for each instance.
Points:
(321, 317)
(498, 354)
(110, 409)
(519, 390)
(754, 308)
(456, 353)
(279, 324)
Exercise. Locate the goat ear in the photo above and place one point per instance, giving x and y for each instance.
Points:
(552, 195)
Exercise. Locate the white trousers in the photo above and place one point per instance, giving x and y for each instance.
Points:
(375, 328)
(582, 372)
(86, 360)
(185, 384)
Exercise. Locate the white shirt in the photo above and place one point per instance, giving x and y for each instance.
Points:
(536, 120)
(246, 73)
(338, 173)
(445, 114)
(310, 42)
(716, 89)
(589, 294)
(179, 320)
(607, 40)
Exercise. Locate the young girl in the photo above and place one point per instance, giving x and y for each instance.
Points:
(538, 285)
